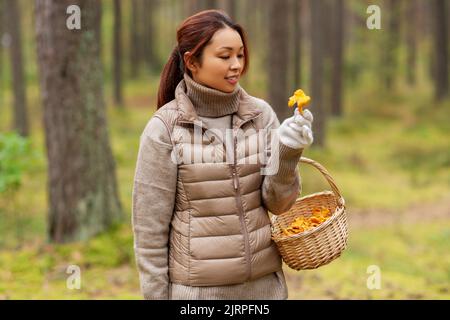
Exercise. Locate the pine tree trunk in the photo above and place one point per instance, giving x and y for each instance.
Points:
(82, 183)
(440, 49)
(147, 17)
(16, 58)
(210, 4)
(317, 58)
(117, 54)
(134, 39)
(191, 7)
(411, 42)
(278, 58)
(249, 15)
(2, 28)
(297, 43)
(337, 52)
(232, 9)
(389, 52)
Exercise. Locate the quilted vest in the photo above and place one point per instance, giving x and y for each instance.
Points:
(220, 231)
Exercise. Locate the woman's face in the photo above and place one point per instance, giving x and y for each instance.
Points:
(222, 58)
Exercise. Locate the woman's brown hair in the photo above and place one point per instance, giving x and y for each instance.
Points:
(193, 35)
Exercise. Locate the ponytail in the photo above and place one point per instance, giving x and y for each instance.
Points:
(170, 77)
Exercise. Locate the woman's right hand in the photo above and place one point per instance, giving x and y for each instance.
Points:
(296, 131)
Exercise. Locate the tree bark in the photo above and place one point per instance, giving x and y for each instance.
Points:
(210, 4)
(337, 57)
(16, 58)
(411, 41)
(191, 7)
(147, 17)
(81, 169)
(440, 49)
(250, 19)
(297, 43)
(134, 39)
(389, 52)
(117, 54)
(317, 58)
(232, 9)
(2, 28)
(278, 58)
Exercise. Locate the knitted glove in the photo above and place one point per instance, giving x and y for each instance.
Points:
(295, 132)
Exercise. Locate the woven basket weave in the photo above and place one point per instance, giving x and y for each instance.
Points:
(322, 244)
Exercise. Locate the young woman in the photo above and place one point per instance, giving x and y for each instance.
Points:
(202, 191)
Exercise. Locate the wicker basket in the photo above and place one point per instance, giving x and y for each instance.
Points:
(322, 244)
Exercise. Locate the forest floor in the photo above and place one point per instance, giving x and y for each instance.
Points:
(409, 247)
(423, 212)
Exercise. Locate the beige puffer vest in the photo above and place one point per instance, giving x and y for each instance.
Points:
(220, 232)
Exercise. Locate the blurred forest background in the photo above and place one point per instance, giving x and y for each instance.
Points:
(73, 104)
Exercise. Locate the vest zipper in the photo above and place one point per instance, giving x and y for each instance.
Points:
(241, 211)
(240, 207)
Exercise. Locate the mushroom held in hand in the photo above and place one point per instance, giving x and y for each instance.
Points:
(299, 98)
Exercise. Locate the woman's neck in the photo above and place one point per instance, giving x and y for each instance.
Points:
(209, 102)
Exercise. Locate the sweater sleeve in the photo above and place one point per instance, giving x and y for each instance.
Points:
(281, 188)
(153, 201)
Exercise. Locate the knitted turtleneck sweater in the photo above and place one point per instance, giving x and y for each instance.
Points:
(154, 195)
(209, 102)
(213, 107)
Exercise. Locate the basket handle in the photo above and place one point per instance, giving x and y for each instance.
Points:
(327, 176)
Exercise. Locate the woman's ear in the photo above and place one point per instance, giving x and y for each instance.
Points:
(188, 62)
